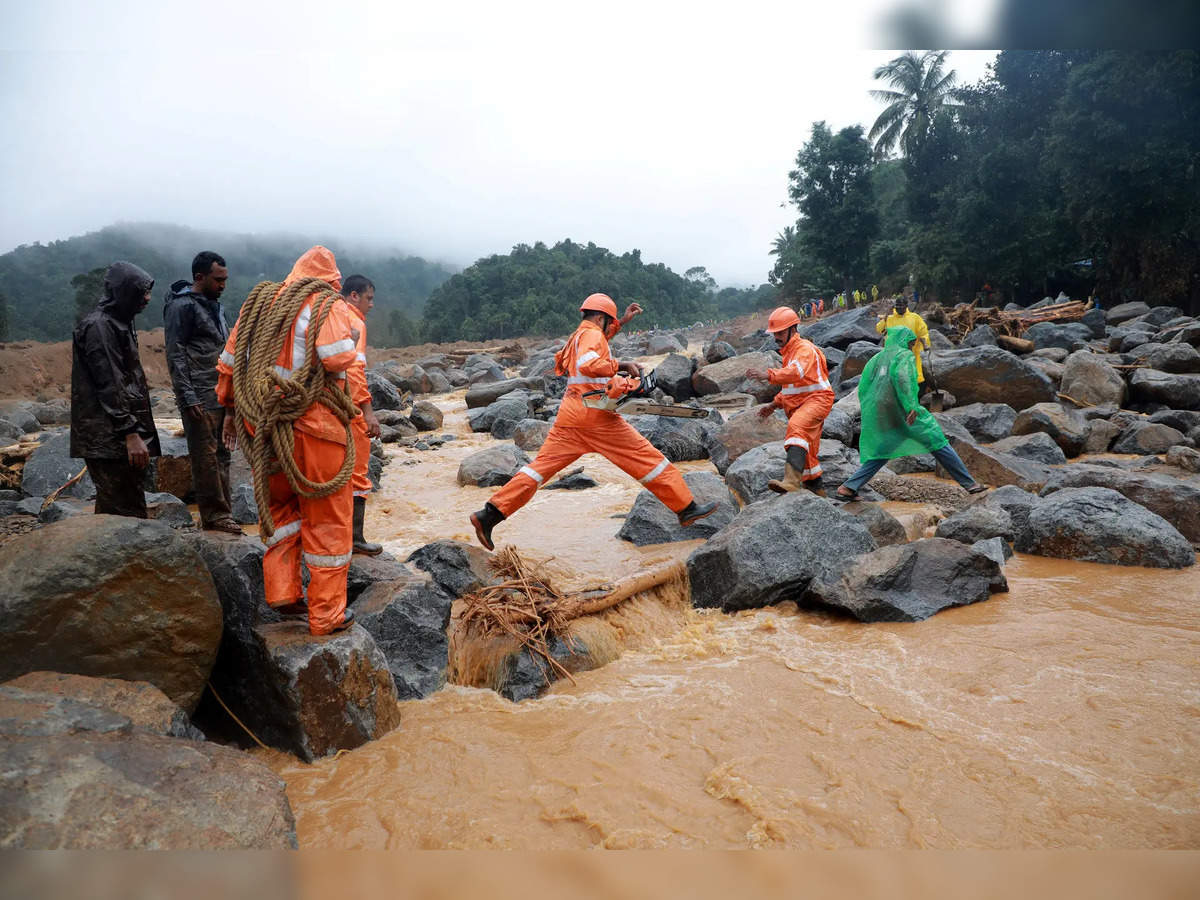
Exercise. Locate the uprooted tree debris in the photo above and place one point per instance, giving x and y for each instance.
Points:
(525, 605)
(965, 317)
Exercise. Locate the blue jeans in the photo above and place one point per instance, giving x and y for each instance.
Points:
(950, 461)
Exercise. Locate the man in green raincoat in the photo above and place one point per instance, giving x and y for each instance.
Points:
(894, 424)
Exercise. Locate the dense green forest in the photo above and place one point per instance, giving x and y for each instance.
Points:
(537, 290)
(45, 283)
(1062, 170)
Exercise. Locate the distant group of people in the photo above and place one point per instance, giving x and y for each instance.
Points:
(815, 308)
(113, 429)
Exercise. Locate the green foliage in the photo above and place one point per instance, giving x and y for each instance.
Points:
(921, 89)
(403, 330)
(3, 317)
(44, 296)
(89, 287)
(832, 187)
(537, 290)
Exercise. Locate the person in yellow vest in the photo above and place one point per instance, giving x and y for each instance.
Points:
(874, 293)
(902, 317)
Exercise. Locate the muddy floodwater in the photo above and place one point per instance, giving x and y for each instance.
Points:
(1065, 713)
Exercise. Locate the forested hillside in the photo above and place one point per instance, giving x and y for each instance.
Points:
(1073, 170)
(37, 279)
(537, 290)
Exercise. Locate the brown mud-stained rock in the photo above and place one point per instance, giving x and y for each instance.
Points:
(112, 597)
(172, 471)
(54, 703)
(425, 416)
(743, 432)
(996, 468)
(651, 522)
(492, 466)
(335, 692)
(1065, 426)
(883, 526)
(481, 395)
(729, 376)
(408, 620)
(91, 790)
(991, 375)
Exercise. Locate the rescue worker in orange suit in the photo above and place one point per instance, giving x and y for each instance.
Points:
(806, 398)
(359, 292)
(315, 530)
(578, 429)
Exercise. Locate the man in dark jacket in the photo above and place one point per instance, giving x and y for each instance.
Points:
(112, 427)
(195, 335)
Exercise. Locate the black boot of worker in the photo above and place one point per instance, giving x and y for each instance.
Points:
(694, 513)
(361, 544)
(484, 521)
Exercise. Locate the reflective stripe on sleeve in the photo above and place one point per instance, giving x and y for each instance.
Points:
(300, 337)
(532, 473)
(343, 346)
(821, 385)
(282, 372)
(228, 358)
(588, 379)
(362, 358)
(655, 472)
(328, 562)
(283, 531)
(587, 358)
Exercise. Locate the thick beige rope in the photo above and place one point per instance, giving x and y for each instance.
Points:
(270, 404)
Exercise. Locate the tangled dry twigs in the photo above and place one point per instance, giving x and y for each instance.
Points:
(965, 317)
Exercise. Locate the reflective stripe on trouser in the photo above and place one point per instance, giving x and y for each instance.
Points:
(804, 430)
(360, 484)
(618, 442)
(318, 531)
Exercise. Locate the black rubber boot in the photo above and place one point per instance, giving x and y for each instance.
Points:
(361, 544)
(347, 621)
(484, 521)
(816, 485)
(694, 513)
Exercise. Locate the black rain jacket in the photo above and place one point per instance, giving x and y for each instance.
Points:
(195, 334)
(109, 395)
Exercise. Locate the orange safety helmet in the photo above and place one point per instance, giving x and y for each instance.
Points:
(599, 303)
(783, 318)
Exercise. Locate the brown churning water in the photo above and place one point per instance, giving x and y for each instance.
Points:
(1065, 713)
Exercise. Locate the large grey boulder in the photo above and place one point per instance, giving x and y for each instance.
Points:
(857, 355)
(502, 414)
(1123, 312)
(674, 375)
(996, 468)
(651, 522)
(384, 394)
(664, 343)
(1064, 335)
(492, 466)
(425, 416)
(772, 550)
(1088, 378)
(1065, 426)
(367, 571)
(883, 526)
(1096, 524)
(977, 523)
(1175, 391)
(113, 597)
(404, 377)
(843, 329)
(729, 376)
(530, 434)
(1038, 447)
(716, 351)
(20, 414)
(991, 375)
(457, 567)
(677, 439)
(245, 507)
(986, 422)
(1129, 338)
(1159, 316)
(907, 582)
(51, 466)
(408, 620)
(481, 395)
(1100, 435)
(743, 432)
(1181, 420)
(1147, 438)
(1174, 499)
(1172, 357)
(980, 336)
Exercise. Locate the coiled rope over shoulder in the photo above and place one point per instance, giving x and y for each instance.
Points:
(268, 404)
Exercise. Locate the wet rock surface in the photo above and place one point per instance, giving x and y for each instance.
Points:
(772, 550)
(977, 523)
(457, 567)
(882, 525)
(1038, 447)
(907, 583)
(729, 376)
(111, 597)
(996, 468)
(1175, 391)
(408, 619)
(991, 375)
(367, 571)
(650, 522)
(677, 439)
(985, 422)
(743, 432)
(1096, 524)
(1065, 426)
(51, 466)
(1173, 499)
(492, 466)
(674, 375)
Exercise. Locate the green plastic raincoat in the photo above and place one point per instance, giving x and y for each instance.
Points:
(887, 392)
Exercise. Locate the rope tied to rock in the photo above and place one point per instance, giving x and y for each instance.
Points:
(268, 403)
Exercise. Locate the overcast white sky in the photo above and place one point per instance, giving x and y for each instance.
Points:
(452, 132)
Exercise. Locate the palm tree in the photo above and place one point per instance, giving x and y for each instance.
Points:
(922, 88)
(783, 240)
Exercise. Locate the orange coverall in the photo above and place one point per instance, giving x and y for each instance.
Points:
(356, 380)
(321, 528)
(806, 398)
(588, 365)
